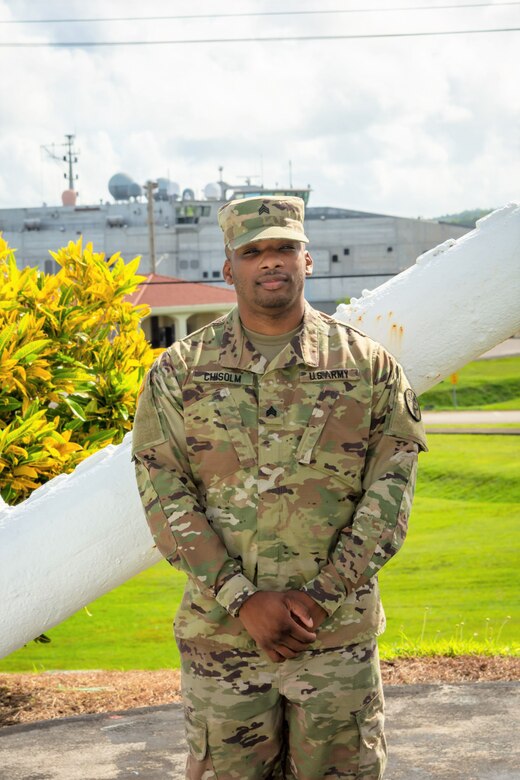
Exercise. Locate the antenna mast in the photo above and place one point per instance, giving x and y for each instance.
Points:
(70, 158)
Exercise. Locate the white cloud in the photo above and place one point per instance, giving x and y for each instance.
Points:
(407, 126)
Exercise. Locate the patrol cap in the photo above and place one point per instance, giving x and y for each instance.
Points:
(252, 219)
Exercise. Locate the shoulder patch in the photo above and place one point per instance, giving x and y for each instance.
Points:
(148, 430)
(403, 419)
(412, 404)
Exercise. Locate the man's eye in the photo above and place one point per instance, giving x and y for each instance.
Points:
(249, 252)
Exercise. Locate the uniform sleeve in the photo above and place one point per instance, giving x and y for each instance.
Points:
(170, 499)
(380, 521)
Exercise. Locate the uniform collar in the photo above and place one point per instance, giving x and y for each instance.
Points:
(238, 352)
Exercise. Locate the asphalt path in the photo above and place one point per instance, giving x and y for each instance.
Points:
(472, 418)
(508, 348)
(467, 731)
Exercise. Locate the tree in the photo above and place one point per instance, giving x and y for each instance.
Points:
(72, 358)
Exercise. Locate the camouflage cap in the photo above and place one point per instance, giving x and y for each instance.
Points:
(252, 219)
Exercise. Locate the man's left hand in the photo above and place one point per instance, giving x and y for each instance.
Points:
(318, 614)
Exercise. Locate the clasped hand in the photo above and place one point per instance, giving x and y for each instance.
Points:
(282, 624)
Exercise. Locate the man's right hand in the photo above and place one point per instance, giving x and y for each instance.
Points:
(269, 618)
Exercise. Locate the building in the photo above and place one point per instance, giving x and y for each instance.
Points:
(352, 250)
(179, 307)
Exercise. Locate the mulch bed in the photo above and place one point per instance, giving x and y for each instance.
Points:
(25, 698)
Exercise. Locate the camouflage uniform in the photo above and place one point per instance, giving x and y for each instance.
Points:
(251, 219)
(296, 473)
(241, 707)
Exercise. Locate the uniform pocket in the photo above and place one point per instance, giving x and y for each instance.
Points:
(218, 442)
(372, 746)
(196, 735)
(318, 419)
(148, 430)
(229, 413)
(334, 442)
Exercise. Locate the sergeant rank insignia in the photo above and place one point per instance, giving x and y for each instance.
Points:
(263, 209)
(412, 404)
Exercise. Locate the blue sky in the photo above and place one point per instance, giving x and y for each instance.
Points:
(408, 126)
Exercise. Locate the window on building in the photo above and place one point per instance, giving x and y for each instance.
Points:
(335, 259)
(205, 274)
(389, 249)
(166, 336)
(194, 263)
(161, 335)
(346, 251)
(50, 267)
(215, 274)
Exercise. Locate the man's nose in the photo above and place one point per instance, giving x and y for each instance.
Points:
(271, 258)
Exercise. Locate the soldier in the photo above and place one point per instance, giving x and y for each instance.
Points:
(276, 454)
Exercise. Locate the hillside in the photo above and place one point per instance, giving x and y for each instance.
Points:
(465, 218)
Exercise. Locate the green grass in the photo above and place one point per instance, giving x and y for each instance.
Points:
(482, 384)
(452, 589)
(454, 585)
(128, 628)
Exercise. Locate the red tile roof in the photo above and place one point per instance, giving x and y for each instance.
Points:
(167, 291)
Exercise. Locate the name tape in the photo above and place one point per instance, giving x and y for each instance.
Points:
(226, 377)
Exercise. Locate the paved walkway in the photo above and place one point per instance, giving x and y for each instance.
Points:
(507, 348)
(436, 732)
(471, 418)
(469, 422)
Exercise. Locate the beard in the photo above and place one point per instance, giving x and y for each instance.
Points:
(271, 301)
(278, 299)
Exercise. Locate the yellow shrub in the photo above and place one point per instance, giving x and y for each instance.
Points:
(72, 358)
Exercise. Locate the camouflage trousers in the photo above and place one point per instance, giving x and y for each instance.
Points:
(316, 716)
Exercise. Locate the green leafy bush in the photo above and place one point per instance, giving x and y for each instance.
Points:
(72, 358)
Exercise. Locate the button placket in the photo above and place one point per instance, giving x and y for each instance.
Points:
(271, 470)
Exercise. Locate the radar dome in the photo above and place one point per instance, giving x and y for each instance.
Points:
(166, 189)
(135, 190)
(68, 197)
(188, 194)
(120, 185)
(212, 191)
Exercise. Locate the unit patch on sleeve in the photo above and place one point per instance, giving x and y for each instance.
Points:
(412, 404)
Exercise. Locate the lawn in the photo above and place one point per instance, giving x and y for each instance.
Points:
(452, 588)
(482, 384)
(457, 576)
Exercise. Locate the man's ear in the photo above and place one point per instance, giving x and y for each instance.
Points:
(309, 263)
(226, 271)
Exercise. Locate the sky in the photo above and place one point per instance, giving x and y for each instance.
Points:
(410, 126)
